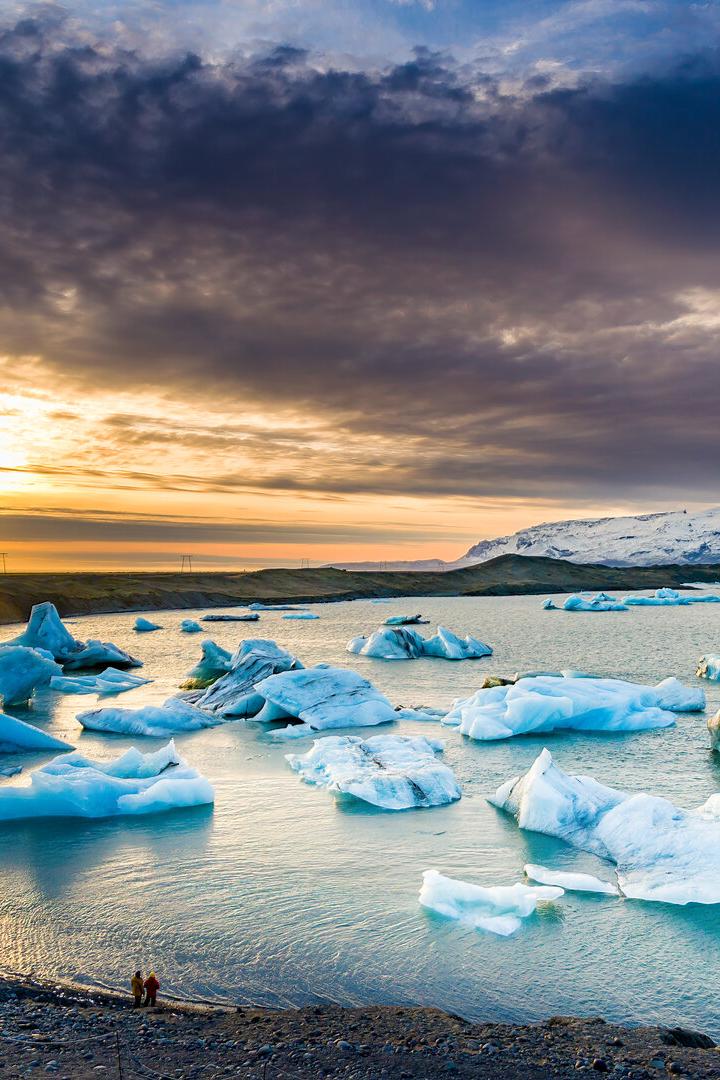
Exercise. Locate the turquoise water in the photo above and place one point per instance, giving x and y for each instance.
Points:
(282, 895)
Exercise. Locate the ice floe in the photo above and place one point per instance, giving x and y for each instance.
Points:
(45, 630)
(500, 909)
(669, 598)
(570, 881)
(662, 853)
(174, 715)
(75, 786)
(405, 620)
(546, 703)
(596, 603)
(396, 772)
(714, 729)
(24, 670)
(398, 643)
(109, 681)
(190, 626)
(17, 735)
(144, 626)
(302, 615)
(251, 616)
(214, 662)
(709, 668)
(257, 606)
(235, 693)
(323, 697)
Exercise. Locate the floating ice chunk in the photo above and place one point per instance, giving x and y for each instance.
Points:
(190, 626)
(405, 620)
(662, 853)
(302, 615)
(257, 606)
(249, 617)
(714, 729)
(236, 693)
(397, 643)
(324, 697)
(499, 909)
(396, 772)
(579, 603)
(172, 716)
(10, 770)
(550, 703)
(45, 630)
(144, 626)
(669, 598)
(74, 786)
(709, 668)
(214, 662)
(22, 671)
(549, 605)
(17, 735)
(569, 881)
(110, 681)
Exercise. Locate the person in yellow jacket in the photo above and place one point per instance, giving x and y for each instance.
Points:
(137, 986)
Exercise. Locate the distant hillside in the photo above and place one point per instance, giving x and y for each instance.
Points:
(94, 593)
(644, 540)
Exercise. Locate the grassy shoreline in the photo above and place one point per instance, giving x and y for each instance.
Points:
(95, 593)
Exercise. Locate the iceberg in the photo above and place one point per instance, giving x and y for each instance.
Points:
(109, 681)
(17, 735)
(499, 909)
(22, 671)
(236, 694)
(395, 772)
(405, 620)
(323, 697)
(662, 853)
(302, 615)
(45, 630)
(172, 716)
(397, 643)
(250, 617)
(7, 771)
(669, 598)
(257, 606)
(74, 786)
(708, 668)
(595, 603)
(714, 730)
(189, 626)
(549, 605)
(546, 703)
(214, 662)
(144, 626)
(569, 881)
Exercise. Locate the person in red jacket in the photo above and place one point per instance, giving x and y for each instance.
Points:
(152, 986)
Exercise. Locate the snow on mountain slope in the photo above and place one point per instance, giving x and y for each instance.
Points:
(645, 540)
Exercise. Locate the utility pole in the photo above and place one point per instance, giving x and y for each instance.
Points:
(3, 556)
(304, 564)
(186, 563)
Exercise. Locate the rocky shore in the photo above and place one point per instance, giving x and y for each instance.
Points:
(64, 1031)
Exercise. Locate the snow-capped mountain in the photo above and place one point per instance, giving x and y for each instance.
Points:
(645, 540)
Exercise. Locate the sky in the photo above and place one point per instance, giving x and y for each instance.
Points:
(315, 280)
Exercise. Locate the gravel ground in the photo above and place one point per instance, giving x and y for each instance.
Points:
(75, 1034)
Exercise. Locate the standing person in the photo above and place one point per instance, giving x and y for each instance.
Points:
(152, 985)
(136, 984)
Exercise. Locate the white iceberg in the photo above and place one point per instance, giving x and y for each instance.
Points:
(109, 681)
(190, 626)
(549, 605)
(257, 606)
(172, 716)
(398, 643)
(45, 630)
(547, 703)
(709, 668)
(396, 772)
(249, 617)
(595, 603)
(662, 853)
(499, 909)
(144, 626)
(714, 730)
(235, 693)
(302, 615)
(22, 671)
(405, 620)
(669, 598)
(17, 735)
(570, 881)
(74, 786)
(323, 697)
(214, 662)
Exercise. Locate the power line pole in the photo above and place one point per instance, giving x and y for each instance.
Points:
(3, 556)
(186, 562)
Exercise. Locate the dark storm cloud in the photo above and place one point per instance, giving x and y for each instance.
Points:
(520, 286)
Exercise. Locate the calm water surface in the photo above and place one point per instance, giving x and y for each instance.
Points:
(281, 895)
